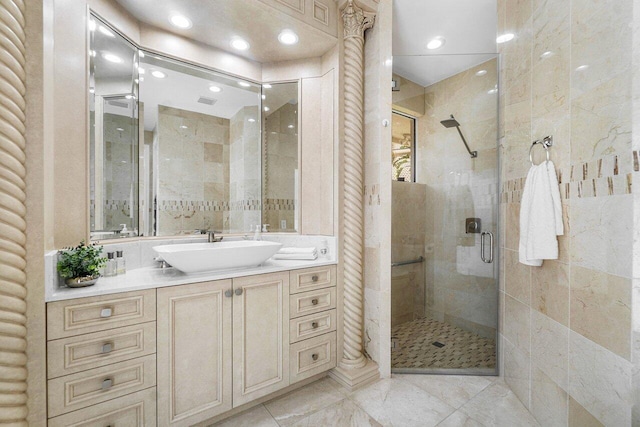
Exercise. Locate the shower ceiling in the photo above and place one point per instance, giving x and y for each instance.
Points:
(468, 26)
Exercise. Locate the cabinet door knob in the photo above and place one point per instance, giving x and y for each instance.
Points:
(314, 301)
(106, 312)
(314, 356)
(228, 293)
(314, 325)
(107, 383)
(314, 278)
(107, 347)
(239, 291)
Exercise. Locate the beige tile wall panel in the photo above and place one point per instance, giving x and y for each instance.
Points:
(85, 315)
(194, 352)
(260, 336)
(13, 372)
(77, 391)
(80, 353)
(313, 356)
(312, 302)
(312, 278)
(316, 154)
(311, 326)
(133, 410)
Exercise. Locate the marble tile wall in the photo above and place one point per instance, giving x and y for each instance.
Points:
(193, 170)
(460, 288)
(566, 327)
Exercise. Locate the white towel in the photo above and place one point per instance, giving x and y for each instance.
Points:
(540, 216)
(297, 254)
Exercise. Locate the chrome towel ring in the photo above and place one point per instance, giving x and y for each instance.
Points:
(546, 142)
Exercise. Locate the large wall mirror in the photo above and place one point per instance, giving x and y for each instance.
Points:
(178, 149)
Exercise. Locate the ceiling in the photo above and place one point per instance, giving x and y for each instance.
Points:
(216, 22)
(468, 26)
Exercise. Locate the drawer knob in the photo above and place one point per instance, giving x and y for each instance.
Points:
(107, 347)
(106, 312)
(228, 293)
(314, 278)
(314, 301)
(314, 325)
(314, 356)
(239, 291)
(107, 383)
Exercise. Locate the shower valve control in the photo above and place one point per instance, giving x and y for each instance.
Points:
(472, 226)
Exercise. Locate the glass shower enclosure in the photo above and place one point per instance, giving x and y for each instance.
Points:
(444, 303)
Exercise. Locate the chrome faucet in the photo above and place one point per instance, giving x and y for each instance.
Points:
(212, 237)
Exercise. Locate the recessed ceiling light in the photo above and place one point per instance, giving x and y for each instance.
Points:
(436, 43)
(112, 58)
(104, 30)
(141, 70)
(92, 90)
(264, 96)
(158, 74)
(140, 54)
(288, 37)
(184, 127)
(215, 89)
(92, 25)
(130, 96)
(244, 84)
(251, 120)
(180, 21)
(267, 86)
(493, 91)
(266, 108)
(120, 129)
(92, 53)
(546, 54)
(505, 38)
(240, 44)
(290, 126)
(582, 67)
(481, 73)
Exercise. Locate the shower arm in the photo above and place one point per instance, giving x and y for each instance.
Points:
(473, 154)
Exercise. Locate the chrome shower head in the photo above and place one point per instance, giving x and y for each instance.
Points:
(450, 123)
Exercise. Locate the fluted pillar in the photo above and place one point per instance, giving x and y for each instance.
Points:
(13, 371)
(354, 368)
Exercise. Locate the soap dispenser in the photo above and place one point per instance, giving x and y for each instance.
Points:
(120, 264)
(124, 232)
(110, 268)
(257, 235)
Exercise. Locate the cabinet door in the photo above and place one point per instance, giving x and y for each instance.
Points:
(193, 352)
(260, 336)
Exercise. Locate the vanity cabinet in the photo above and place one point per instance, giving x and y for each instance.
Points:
(194, 352)
(188, 352)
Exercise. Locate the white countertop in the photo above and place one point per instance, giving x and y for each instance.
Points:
(153, 277)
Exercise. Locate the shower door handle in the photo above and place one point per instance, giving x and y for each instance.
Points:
(482, 245)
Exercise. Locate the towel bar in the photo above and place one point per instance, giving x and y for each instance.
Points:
(413, 261)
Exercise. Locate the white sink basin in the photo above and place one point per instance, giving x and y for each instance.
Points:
(201, 257)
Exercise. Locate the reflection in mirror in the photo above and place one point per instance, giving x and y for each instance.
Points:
(113, 133)
(280, 157)
(202, 166)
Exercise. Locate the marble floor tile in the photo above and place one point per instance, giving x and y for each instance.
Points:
(498, 406)
(455, 390)
(301, 403)
(393, 402)
(342, 414)
(254, 417)
(460, 419)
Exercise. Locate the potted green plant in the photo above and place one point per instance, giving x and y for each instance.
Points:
(80, 266)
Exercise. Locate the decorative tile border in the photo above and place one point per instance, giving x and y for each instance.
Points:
(224, 206)
(608, 176)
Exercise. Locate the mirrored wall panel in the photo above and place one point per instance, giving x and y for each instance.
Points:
(280, 157)
(113, 133)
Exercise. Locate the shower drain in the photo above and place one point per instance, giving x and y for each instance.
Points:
(437, 344)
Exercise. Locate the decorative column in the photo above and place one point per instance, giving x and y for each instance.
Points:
(13, 360)
(354, 368)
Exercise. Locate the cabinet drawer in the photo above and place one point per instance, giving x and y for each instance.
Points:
(311, 326)
(312, 278)
(311, 357)
(133, 410)
(70, 355)
(86, 315)
(312, 302)
(77, 391)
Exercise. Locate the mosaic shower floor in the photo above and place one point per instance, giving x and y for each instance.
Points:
(429, 344)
